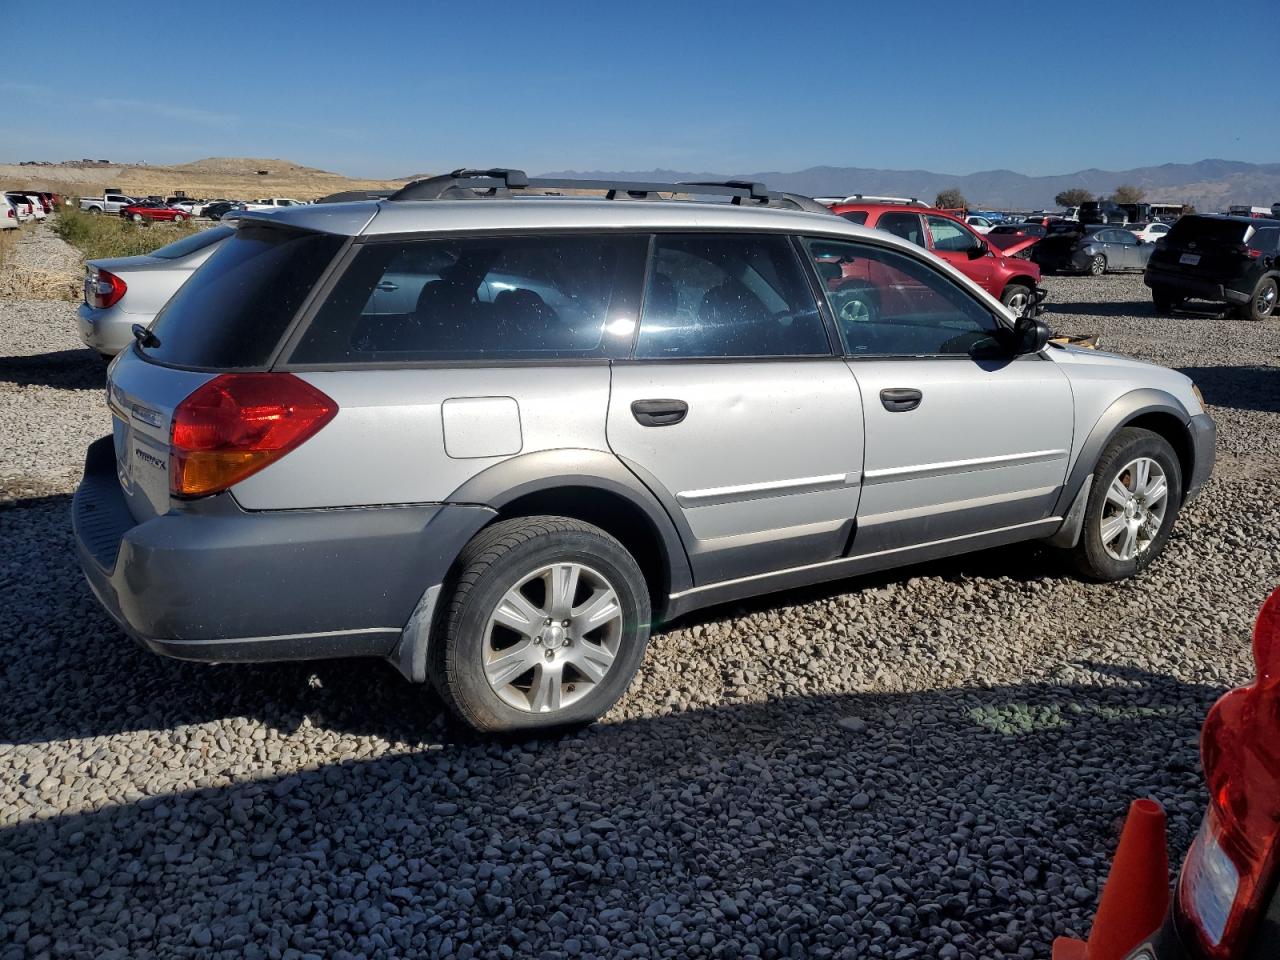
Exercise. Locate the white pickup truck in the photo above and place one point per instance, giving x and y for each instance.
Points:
(273, 203)
(107, 203)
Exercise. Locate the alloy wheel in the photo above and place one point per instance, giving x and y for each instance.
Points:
(1018, 304)
(1134, 511)
(552, 637)
(1266, 300)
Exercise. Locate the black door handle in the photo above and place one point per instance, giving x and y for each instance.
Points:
(900, 399)
(659, 413)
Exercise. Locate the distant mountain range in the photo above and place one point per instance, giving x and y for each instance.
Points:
(1209, 184)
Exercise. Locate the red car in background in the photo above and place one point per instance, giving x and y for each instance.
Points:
(1226, 902)
(153, 210)
(1013, 280)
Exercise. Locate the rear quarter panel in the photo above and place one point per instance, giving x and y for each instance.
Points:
(397, 438)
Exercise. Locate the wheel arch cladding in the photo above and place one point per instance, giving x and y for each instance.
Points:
(594, 487)
(1147, 408)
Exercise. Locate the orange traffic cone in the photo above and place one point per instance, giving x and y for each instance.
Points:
(1136, 895)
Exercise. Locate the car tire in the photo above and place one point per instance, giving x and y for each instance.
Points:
(506, 576)
(1263, 302)
(1126, 524)
(1016, 293)
(95, 210)
(1097, 265)
(137, 218)
(1166, 302)
(179, 218)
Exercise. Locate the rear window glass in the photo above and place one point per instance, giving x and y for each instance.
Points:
(188, 245)
(855, 216)
(501, 298)
(236, 307)
(1206, 228)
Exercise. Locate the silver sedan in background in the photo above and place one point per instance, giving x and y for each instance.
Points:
(122, 291)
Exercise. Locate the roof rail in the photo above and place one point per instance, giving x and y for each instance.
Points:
(465, 184)
(346, 196)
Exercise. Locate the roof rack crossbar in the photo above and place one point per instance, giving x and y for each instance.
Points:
(470, 184)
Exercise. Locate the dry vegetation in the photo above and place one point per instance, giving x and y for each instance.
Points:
(98, 236)
(232, 177)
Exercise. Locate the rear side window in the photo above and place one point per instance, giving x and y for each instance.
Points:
(728, 295)
(856, 216)
(501, 298)
(189, 245)
(236, 307)
(1265, 241)
(908, 226)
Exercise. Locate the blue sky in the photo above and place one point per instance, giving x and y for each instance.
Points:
(387, 89)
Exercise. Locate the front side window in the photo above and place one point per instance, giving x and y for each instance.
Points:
(501, 298)
(889, 304)
(904, 225)
(950, 237)
(726, 295)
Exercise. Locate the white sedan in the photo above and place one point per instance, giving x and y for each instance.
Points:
(979, 224)
(1149, 232)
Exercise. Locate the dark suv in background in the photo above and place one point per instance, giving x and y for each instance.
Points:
(1231, 260)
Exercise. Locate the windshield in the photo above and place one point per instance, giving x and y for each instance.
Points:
(188, 245)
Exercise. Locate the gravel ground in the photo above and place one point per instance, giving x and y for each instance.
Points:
(931, 763)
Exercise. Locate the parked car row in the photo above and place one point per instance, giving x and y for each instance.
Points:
(20, 206)
(588, 383)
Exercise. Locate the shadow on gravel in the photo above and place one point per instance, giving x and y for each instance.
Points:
(1241, 388)
(68, 369)
(1129, 308)
(851, 826)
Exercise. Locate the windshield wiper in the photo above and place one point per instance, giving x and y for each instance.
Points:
(144, 336)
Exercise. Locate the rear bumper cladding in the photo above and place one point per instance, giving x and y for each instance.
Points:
(210, 581)
(1197, 287)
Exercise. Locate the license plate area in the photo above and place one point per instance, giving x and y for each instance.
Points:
(1190, 259)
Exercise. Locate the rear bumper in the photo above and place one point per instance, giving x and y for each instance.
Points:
(1204, 436)
(216, 583)
(1188, 286)
(108, 331)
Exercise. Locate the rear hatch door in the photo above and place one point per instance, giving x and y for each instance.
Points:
(1205, 247)
(229, 317)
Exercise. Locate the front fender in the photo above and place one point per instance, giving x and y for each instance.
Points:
(1122, 411)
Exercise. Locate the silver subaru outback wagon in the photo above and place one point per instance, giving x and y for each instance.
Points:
(497, 440)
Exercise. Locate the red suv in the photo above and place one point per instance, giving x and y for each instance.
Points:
(1013, 280)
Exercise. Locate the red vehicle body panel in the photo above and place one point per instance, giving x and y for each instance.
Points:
(993, 271)
(152, 213)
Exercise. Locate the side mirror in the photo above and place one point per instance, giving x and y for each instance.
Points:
(980, 250)
(1030, 335)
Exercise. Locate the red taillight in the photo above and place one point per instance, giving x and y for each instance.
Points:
(102, 288)
(1237, 853)
(238, 423)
